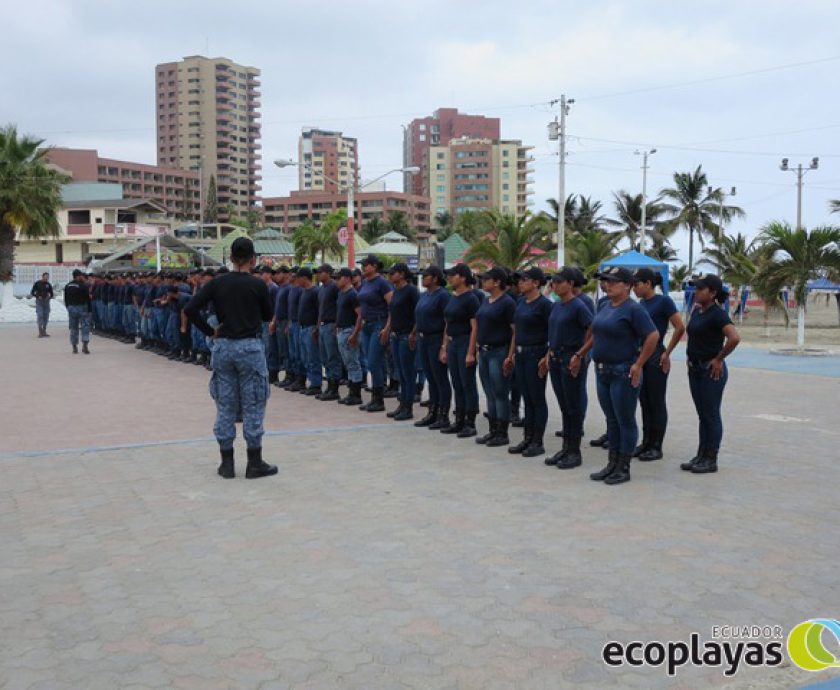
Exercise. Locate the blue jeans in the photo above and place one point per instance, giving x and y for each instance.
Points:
(199, 340)
(282, 344)
(130, 319)
(311, 357)
(404, 363)
(79, 320)
(328, 350)
(160, 324)
(440, 392)
(239, 382)
(532, 387)
(571, 393)
(294, 349)
(374, 352)
(708, 396)
(494, 382)
(173, 329)
(463, 377)
(270, 347)
(618, 400)
(350, 355)
(42, 312)
(652, 399)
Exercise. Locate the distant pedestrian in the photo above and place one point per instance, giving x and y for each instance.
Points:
(77, 301)
(42, 291)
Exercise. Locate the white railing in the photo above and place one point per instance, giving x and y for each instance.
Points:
(140, 230)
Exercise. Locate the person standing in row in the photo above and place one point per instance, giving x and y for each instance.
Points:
(603, 441)
(240, 373)
(516, 420)
(295, 347)
(568, 326)
(77, 301)
(652, 398)
(495, 335)
(622, 339)
(401, 327)
(374, 295)
(711, 339)
(308, 323)
(348, 325)
(279, 326)
(458, 350)
(430, 325)
(269, 343)
(42, 291)
(327, 340)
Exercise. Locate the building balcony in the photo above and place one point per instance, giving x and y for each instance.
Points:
(76, 230)
(255, 103)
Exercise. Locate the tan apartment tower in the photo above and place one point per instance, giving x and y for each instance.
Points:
(331, 154)
(208, 120)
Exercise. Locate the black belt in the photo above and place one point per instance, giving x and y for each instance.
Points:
(487, 348)
(522, 348)
(563, 351)
(398, 333)
(326, 323)
(429, 335)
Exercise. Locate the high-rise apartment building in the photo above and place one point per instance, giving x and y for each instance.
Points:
(471, 174)
(208, 120)
(442, 127)
(331, 154)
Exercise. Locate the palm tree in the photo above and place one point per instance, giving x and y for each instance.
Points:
(398, 222)
(628, 210)
(372, 230)
(661, 250)
(445, 225)
(834, 206)
(734, 258)
(696, 206)
(304, 240)
(797, 256)
(30, 196)
(589, 249)
(325, 239)
(677, 275)
(510, 241)
(472, 225)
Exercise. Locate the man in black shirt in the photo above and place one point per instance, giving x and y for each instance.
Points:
(77, 301)
(240, 373)
(308, 324)
(327, 340)
(42, 291)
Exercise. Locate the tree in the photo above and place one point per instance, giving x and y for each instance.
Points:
(797, 256)
(661, 250)
(30, 195)
(834, 206)
(303, 238)
(445, 225)
(694, 205)
(472, 225)
(326, 237)
(372, 230)
(509, 243)
(628, 210)
(211, 202)
(398, 222)
(589, 249)
(677, 275)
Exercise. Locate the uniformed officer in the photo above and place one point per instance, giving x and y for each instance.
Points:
(42, 291)
(77, 301)
(400, 328)
(240, 373)
(327, 338)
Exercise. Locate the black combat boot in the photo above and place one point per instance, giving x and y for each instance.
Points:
(85, 349)
(256, 467)
(501, 436)
(706, 464)
(399, 408)
(572, 458)
(418, 393)
(490, 433)
(430, 417)
(559, 455)
(654, 448)
(332, 391)
(406, 414)
(298, 385)
(535, 447)
(75, 350)
(608, 470)
(287, 381)
(600, 442)
(621, 473)
(524, 443)
(313, 391)
(226, 468)
(442, 421)
(643, 446)
(468, 430)
(691, 463)
(377, 401)
(457, 426)
(393, 389)
(516, 421)
(273, 376)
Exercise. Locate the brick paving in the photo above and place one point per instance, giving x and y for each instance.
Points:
(383, 556)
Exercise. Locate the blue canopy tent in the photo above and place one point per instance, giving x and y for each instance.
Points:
(822, 284)
(634, 261)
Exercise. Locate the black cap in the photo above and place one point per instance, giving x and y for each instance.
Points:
(78, 272)
(304, 272)
(567, 273)
(435, 272)
(580, 278)
(645, 275)
(708, 280)
(534, 273)
(460, 270)
(400, 267)
(496, 273)
(344, 273)
(373, 260)
(325, 268)
(283, 269)
(242, 248)
(616, 274)
(264, 269)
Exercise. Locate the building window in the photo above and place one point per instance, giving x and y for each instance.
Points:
(504, 153)
(504, 164)
(78, 217)
(441, 200)
(422, 137)
(505, 186)
(441, 188)
(505, 197)
(422, 128)
(441, 155)
(441, 178)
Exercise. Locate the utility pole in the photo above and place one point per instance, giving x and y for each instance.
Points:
(557, 130)
(644, 155)
(732, 192)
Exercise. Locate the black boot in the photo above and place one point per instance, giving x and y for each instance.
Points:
(273, 376)
(430, 417)
(706, 464)
(516, 420)
(608, 470)
(226, 468)
(287, 381)
(332, 391)
(256, 467)
(393, 389)
(572, 458)
(75, 350)
(643, 446)
(523, 444)
(691, 463)
(490, 433)
(559, 434)
(406, 414)
(377, 400)
(442, 421)
(654, 448)
(399, 408)
(418, 393)
(354, 397)
(85, 348)
(535, 447)
(468, 430)
(559, 455)
(600, 442)
(501, 436)
(298, 385)
(621, 473)
(457, 426)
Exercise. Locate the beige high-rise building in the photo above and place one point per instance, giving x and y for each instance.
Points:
(208, 120)
(331, 154)
(479, 174)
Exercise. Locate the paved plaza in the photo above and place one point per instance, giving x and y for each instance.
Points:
(384, 556)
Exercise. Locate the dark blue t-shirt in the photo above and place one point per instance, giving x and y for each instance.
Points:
(531, 321)
(308, 307)
(660, 309)
(428, 314)
(327, 296)
(402, 306)
(458, 313)
(494, 321)
(705, 332)
(588, 301)
(568, 324)
(294, 302)
(281, 304)
(619, 331)
(345, 308)
(372, 298)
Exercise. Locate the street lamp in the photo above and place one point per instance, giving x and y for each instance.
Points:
(732, 192)
(800, 171)
(644, 155)
(351, 189)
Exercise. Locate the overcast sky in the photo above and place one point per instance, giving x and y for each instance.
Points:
(80, 73)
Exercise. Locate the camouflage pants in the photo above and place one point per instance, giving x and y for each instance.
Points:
(239, 382)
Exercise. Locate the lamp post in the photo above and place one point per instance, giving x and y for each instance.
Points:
(557, 131)
(642, 228)
(351, 190)
(800, 171)
(732, 192)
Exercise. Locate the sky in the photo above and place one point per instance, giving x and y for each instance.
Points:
(732, 86)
